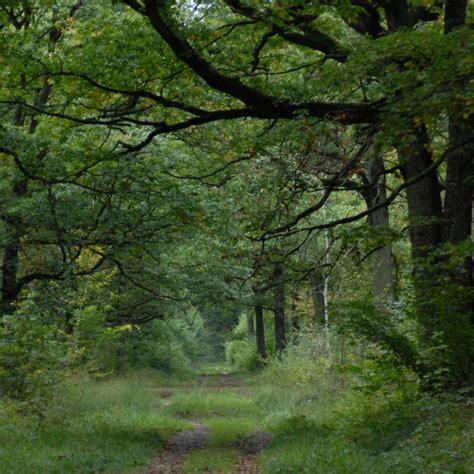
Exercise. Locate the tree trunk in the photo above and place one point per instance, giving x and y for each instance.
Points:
(235, 316)
(446, 337)
(295, 317)
(11, 249)
(458, 220)
(454, 14)
(458, 197)
(11, 253)
(250, 325)
(460, 170)
(9, 274)
(260, 332)
(316, 283)
(279, 308)
(424, 201)
(383, 281)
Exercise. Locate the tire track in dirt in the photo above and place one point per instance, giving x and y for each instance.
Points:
(183, 443)
(251, 446)
(169, 462)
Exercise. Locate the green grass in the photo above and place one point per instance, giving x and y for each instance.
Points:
(214, 369)
(228, 430)
(229, 415)
(225, 432)
(109, 426)
(205, 403)
(331, 427)
(347, 431)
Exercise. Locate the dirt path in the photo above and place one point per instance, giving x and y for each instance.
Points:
(199, 439)
(251, 446)
(181, 444)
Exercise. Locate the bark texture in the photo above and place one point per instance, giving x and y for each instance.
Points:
(423, 197)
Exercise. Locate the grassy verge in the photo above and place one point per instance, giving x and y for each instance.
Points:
(370, 434)
(326, 422)
(107, 426)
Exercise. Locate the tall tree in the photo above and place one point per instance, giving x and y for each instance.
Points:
(233, 61)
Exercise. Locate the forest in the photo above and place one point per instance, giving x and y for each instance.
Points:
(236, 236)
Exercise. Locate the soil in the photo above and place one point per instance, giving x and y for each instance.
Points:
(251, 446)
(181, 444)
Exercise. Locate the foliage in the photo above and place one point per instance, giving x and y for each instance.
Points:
(33, 355)
(160, 346)
(349, 414)
(241, 354)
(240, 350)
(94, 346)
(165, 164)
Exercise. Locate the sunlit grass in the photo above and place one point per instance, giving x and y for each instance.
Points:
(214, 369)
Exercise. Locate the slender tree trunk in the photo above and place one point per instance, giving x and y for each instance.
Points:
(326, 278)
(9, 273)
(326, 303)
(316, 283)
(250, 325)
(11, 250)
(260, 332)
(295, 318)
(279, 309)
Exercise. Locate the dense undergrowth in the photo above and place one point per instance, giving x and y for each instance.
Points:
(332, 410)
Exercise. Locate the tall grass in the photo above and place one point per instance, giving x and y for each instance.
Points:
(333, 409)
(90, 426)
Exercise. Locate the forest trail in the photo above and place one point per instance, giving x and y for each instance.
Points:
(180, 445)
(224, 436)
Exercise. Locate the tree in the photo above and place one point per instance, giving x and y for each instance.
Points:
(220, 72)
(295, 24)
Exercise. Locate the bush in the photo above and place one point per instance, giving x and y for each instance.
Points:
(241, 354)
(94, 346)
(33, 353)
(160, 346)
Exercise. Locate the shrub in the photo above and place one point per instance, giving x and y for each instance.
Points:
(33, 353)
(94, 345)
(241, 354)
